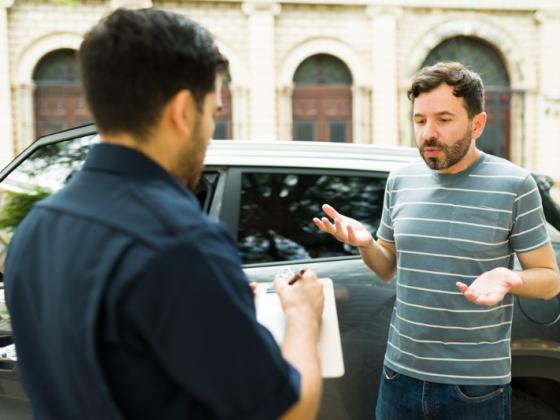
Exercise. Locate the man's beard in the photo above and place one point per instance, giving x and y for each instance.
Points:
(451, 154)
(190, 163)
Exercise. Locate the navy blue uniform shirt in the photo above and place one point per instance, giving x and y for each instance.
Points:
(127, 302)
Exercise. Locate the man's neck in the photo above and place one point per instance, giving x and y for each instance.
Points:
(149, 148)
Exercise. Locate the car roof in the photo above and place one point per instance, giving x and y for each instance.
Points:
(306, 154)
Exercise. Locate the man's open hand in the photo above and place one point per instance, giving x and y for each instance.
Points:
(491, 287)
(345, 229)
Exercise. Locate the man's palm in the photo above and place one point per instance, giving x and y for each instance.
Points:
(343, 228)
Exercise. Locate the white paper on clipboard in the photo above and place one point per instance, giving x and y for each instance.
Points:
(271, 315)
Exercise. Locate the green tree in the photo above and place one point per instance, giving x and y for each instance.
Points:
(17, 205)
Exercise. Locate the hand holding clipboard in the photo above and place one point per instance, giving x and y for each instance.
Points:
(271, 315)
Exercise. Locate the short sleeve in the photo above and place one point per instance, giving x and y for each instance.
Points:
(196, 309)
(385, 231)
(529, 224)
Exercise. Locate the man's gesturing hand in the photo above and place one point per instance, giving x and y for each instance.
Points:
(491, 287)
(345, 229)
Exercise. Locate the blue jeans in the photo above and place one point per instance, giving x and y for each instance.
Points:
(404, 398)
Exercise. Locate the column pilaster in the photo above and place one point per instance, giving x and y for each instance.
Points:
(384, 109)
(262, 102)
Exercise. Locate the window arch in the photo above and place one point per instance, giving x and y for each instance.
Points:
(483, 58)
(322, 100)
(58, 99)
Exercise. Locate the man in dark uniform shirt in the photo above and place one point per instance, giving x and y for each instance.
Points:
(126, 301)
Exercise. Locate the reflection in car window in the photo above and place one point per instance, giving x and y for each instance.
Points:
(277, 209)
(38, 176)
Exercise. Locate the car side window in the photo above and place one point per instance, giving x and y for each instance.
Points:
(276, 212)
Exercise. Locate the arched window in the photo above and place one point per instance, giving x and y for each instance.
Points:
(322, 100)
(223, 128)
(58, 99)
(486, 61)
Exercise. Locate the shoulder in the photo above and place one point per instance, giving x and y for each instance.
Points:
(494, 165)
(149, 210)
(501, 172)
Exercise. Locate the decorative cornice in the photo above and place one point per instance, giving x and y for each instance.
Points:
(131, 4)
(261, 6)
(543, 16)
(380, 10)
(7, 3)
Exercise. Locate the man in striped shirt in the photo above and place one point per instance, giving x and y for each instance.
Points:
(450, 228)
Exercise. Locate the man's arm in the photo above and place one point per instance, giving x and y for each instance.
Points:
(378, 255)
(539, 279)
(540, 275)
(303, 306)
(381, 257)
(201, 326)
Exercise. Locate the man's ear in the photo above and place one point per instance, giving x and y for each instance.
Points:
(478, 124)
(180, 112)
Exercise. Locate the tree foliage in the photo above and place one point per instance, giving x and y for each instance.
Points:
(17, 205)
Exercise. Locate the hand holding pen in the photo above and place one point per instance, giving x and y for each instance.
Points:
(297, 276)
(301, 292)
(288, 274)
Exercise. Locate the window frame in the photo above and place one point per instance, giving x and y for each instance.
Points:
(65, 135)
(230, 208)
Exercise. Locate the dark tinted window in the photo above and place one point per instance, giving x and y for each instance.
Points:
(277, 209)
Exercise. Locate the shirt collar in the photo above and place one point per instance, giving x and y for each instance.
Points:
(128, 162)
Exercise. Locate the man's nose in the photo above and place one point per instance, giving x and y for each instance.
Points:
(429, 131)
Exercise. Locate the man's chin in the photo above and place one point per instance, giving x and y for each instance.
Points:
(433, 163)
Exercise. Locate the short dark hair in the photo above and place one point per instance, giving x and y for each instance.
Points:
(134, 61)
(466, 84)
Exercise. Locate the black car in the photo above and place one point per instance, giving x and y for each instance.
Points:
(267, 195)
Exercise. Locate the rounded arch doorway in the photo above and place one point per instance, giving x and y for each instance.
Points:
(58, 99)
(322, 100)
(486, 60)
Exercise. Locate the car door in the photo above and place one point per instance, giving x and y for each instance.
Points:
(269, 211)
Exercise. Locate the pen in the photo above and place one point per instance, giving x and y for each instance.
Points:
(297, 276)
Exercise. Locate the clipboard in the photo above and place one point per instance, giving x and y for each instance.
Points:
(271, 315)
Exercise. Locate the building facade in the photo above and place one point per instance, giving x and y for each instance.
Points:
(311, 69)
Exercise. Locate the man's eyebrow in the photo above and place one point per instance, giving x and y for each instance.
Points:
(439, 114)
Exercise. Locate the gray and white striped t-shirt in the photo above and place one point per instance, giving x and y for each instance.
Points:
(448, 228)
